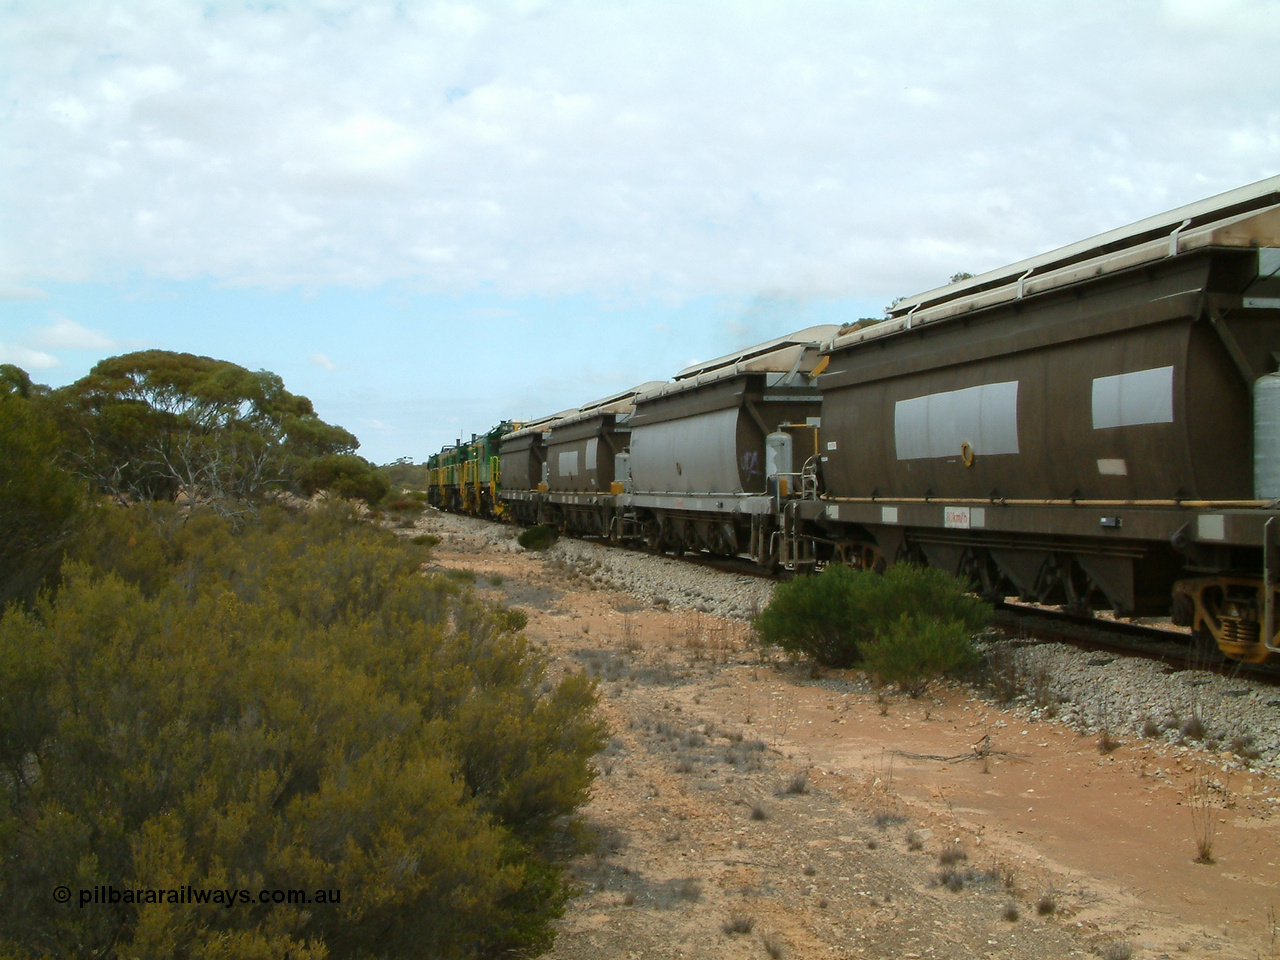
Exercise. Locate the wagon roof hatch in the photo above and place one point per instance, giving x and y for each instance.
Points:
(541, 424)
(620, 404)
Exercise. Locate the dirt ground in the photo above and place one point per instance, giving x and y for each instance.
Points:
(746, 808)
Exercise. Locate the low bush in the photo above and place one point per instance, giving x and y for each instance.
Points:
(838, 616)
(916, 650)
(538, 538)
(344, 475)
(513, 621)
(290, 706)
(41, 504)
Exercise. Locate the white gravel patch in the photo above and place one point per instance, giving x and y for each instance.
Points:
(1236, 719)
(653, 579)
(658, 580)
(467, 533)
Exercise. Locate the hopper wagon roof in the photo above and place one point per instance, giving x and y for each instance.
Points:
(619, 404)
(783, 356)
(539, 425)
(1245, 217)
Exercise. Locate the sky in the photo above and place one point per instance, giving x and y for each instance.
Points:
(429, 217)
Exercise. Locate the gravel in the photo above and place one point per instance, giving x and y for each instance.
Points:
(663, 580)
(1235, 720)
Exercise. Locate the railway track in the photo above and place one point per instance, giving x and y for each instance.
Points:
(1175, 649)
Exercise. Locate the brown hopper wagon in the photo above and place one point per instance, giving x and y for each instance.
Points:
(1098, 426)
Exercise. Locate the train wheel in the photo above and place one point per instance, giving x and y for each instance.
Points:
(861, 556)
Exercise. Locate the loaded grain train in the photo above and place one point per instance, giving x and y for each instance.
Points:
(1097, 427)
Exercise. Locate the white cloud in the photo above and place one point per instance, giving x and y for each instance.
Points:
(27, 358)
(320, 360)
(68, 335)
(613, 148)
(14, 293)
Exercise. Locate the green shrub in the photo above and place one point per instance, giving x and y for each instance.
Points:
(513, 620)
(832, 616)
(461, 573)
(344, 475)
(287, 706)
(41, 504)
(425, 540)
(916, 650)
(538, 538)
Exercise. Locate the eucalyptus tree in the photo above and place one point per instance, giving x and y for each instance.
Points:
(155, 424)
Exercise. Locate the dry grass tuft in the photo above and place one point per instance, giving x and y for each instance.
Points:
(798, 784)
(1242, 746)
(1192, 728)
(1204, 816)
(689, 889)
(738, 923)
(1115, 950)
(951, 853)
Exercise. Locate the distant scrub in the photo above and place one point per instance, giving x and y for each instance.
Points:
(344, 475)
(405, 505)
(906, 625)
(404, 474)
(289, 705)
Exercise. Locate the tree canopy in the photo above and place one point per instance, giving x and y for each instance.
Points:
(152, 424)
